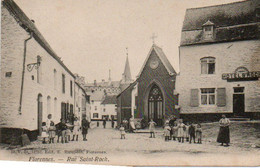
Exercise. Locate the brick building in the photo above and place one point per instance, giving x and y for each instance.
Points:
(34, 80)
(220, 61)
(151, 96)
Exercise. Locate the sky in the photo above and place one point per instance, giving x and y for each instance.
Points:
(91, 36)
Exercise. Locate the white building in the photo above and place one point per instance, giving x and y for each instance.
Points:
(220, 61)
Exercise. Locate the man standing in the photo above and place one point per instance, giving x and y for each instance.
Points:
(85, 126)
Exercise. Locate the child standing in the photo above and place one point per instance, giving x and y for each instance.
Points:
(76, 129)
(52, 132)
(175, 131)
(44, 132)
(152, 128)
(186, 131)
(122, 131)
(68, 130)
(167, 130)
(199, 133)
(192, 132)
(181, 131)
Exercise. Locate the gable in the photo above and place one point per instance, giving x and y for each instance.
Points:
(149, 71)
(157, 52)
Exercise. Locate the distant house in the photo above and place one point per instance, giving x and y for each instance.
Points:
(220, 61)
(108, 108)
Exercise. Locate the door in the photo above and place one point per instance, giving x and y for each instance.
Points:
(39, 108)
(238, 104)
(155, 105)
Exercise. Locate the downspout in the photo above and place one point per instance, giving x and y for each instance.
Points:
(24, 59)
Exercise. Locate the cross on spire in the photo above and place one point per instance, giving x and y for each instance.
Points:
(153, 37)
(126, 51)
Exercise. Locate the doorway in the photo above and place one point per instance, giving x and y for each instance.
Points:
(39, 107)
(155, 105)
(239, 101)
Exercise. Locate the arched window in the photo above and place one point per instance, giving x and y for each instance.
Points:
(48, 105)
(155, 105)
(207, 65)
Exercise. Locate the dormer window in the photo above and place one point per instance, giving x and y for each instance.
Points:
(208, 30)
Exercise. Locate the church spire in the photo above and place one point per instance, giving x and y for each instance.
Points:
(127, 73)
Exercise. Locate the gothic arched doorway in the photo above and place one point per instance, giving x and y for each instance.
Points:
(155, 105)
(39, 106)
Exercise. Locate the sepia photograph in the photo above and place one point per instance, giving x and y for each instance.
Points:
(130, 82)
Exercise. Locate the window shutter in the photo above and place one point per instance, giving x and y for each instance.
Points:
(221, 97)
(194, 101)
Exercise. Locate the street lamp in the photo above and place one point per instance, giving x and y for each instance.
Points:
(34, 65)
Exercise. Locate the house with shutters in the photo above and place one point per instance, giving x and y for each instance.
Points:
(151, 96)
(220, 62)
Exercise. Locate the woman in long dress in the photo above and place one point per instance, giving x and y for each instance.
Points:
(223, 136)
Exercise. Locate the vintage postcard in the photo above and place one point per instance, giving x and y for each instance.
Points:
(130, 82)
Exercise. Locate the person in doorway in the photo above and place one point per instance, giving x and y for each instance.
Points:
(181, 131)
(132, 125)
(104, 123)
(85, 127)
(125, 124)
(52, 132)
(122, 131)
(152, 128)
(223, 136)
(76, 129)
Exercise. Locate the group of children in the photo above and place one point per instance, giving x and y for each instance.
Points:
(181, 132)
(62, 129)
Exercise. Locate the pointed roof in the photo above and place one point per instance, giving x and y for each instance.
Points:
(208, 23)
(127, 72)
(162, 57)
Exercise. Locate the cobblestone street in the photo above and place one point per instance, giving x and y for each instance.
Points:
(107, 143)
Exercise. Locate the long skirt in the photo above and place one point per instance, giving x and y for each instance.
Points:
(223, 136)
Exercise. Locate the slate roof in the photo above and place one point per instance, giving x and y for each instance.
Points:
(236, 13)
(109, 100)
(96, 95)
(162, 57)
(233, 21)
(29, 26)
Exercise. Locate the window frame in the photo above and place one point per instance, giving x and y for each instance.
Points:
(207, 61)
(63, 89)
(208, 94)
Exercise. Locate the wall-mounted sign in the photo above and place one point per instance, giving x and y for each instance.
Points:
(241, 74)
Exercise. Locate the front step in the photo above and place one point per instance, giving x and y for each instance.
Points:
(239, 119)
